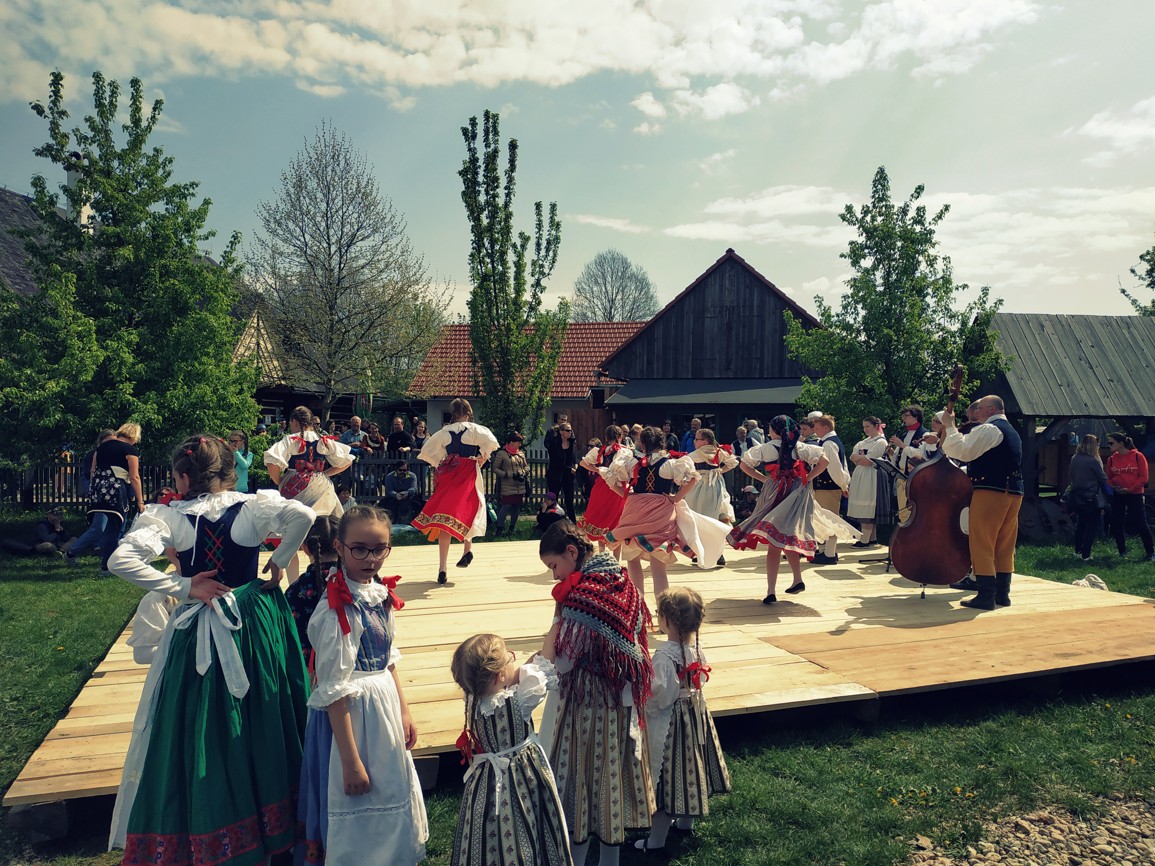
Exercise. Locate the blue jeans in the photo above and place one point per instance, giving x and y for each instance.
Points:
(103, 534)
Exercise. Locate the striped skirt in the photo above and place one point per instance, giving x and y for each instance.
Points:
(693, 767)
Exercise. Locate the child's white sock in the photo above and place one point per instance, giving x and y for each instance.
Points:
(685, 823)
(579, 852)
(659, 829)
(608, 855)
(831, 548)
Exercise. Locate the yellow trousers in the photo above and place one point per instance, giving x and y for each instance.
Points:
(994, 529)
(829, 499)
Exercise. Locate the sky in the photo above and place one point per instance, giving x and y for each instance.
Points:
(669, 130)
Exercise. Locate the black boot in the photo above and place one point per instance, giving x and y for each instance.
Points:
(985, 600)
(968, 583)
(1003, 589)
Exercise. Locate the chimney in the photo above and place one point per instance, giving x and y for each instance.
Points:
(83, 215)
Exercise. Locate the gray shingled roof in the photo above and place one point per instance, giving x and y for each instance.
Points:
(1078, 366)
(15, 212)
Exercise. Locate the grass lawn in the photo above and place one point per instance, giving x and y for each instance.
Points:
(808, 788)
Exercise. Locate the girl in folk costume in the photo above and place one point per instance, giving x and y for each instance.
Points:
(605, 502)
(215, 754)
(598, 747)
(656, 524)
(712, 461)
(457, 507)
(685, 756)
(305, 594)
(302, 463)
(787, 518)
(510, 810)
(870, 489)
(360, 797)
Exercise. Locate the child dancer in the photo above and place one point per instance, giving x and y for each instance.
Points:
(605, 503)
(685, 757)
(598, 747)
(457, 507)
(304, 594)
(216, 751)
(786, 518)
(303, 463)
(510, 810)
(655, 523)
(360, 797)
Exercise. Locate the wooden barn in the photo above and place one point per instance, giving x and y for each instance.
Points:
(717, 350)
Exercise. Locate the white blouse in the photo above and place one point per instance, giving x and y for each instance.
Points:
(433, 451)
(264, 513)
(621, 471)
(337, 453)
(767, 452)
(707, 453)
(874, 446)
(535, 678)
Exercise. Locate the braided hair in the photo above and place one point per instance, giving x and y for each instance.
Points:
(475, 663)
(208, 463)
(559, 536)
(787, 428)
(684, 609)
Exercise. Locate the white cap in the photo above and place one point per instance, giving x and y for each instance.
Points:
(938, 416)
(812, 415)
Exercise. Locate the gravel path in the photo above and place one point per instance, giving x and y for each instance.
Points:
(1123, 836)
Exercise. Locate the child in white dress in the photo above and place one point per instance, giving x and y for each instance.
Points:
(686, 759)
(360, 800)
(510, 810)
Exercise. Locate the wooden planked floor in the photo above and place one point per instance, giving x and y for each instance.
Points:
(856, 634)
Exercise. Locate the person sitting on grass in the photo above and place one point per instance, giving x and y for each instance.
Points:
(52, 539)
(549, 514)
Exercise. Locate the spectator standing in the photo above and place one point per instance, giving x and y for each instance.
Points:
(563, 460)
(420, 434)
(1088, 480)
(687, 443)
(115, 483)
(512, 470)
(88, 461)
(755, 432)
(354, 437)
(672, 441)
(242, 458)
(1127, 473)
(374, 443)
(399, 439)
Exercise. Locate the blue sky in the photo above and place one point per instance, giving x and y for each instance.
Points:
(667, 130)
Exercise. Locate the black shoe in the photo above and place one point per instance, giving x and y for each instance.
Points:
(1003, 589)
(864, 544)
(823, 559)
(441, 577)
(465, 560)
(770, 599)
(985, 600)
(796, 588)
(721, 560)
(968, 583)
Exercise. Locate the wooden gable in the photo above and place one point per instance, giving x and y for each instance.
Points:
(727, 324)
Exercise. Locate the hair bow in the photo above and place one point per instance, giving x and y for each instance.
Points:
(562, 588)
(300, 440)
(339, 595)
(696, 674)
(394, 598)
(468, 745)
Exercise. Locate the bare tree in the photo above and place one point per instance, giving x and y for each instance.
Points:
(338, 283)
(611, 288)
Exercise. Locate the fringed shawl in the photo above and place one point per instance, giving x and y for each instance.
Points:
(603, 632)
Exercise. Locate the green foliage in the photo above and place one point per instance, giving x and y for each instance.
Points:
(515, 343)
(129, 289)
(1144, 272)
(898, 333)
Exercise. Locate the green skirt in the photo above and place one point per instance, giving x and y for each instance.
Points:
(220, 773)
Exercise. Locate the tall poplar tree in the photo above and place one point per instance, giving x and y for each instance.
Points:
(515, 342)
(901, 328)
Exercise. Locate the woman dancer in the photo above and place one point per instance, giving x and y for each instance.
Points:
(303, 463)
(656, 524)
(215, 756)
(866, 505)
(710, 496)
(457, 507)
(787, 518)
(605, 502)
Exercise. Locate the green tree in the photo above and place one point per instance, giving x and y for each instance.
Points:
(160, 311)
(1144, 272)
(515, 343)
(900, 329)
(339, 285)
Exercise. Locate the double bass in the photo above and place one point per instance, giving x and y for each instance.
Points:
(929, 547)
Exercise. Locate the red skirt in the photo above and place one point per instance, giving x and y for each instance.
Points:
(455, 503)
(602, 513)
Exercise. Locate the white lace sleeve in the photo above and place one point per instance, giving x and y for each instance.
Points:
(337, 453)
(433, 451)
(535, 678)
(279, 453)
(666, 686)
(759, 454)
(621, 469)
(482, 437)
(133, 558)
(591, 457)
(336, 656)
(269, 513)
(809, 454)
(728, 461)
(152, 615)
(680, 470)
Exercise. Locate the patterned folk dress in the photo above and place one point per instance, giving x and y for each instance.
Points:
(605, 505)
(685, 756)
(457, 506)
(510, 811)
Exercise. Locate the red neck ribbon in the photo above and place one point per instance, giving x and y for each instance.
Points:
(468, 745)
(561, 589)
(391, 584)
(339, 595)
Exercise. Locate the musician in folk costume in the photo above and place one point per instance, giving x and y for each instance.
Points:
(993, 451)
(906, 446)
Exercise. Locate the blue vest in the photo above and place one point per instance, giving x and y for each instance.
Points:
(214, 548)
(1001, 468)
(456, 446)
(823, 481)
(651, 481)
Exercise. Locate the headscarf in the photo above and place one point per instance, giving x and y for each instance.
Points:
(787, 428)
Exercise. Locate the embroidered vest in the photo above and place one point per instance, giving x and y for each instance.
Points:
(214, 548)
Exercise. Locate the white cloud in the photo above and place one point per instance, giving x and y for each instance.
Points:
(648, 105)
(715, 102)
(615, 223)
(647, 128)
(714, 163)
(1122, 133)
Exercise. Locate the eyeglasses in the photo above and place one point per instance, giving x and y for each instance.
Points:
(359, 553)
(238, 441)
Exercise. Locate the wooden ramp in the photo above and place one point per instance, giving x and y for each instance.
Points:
(856, 634)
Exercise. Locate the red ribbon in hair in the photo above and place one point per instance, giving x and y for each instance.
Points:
(391, 584)
(468, 745)
(696, 674)
(339, 595)
(562, 588)
(301, 443)
(718, 454)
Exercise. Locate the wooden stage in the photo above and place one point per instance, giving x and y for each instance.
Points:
(856, 635)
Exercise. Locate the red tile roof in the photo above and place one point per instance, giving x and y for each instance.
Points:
(446, 370)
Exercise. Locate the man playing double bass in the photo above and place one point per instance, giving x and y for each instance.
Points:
(993, 451)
